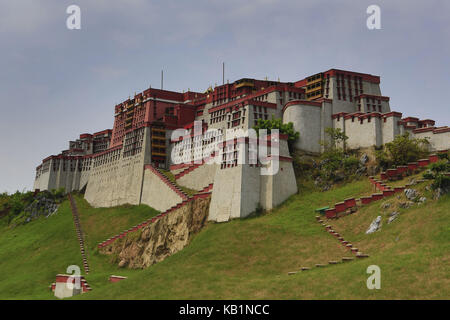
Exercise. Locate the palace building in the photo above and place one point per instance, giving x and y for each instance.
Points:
(126, 164)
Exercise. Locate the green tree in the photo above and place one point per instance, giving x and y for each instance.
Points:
(337, 137)
(402, 150)
(284, 128)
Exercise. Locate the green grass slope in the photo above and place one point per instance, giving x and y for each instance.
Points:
(248, 258)
(31, 255)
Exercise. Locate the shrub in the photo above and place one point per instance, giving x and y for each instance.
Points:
(428, 175)
(351, 163)
(440, 166)
(284, 128)
(441, 181)
(437, 171)
(402, 150)
(443, 156)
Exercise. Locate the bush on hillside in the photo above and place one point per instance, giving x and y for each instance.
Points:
(16, 208)
(334, 164)
(437, 172)
(402, 150)
(284, 128)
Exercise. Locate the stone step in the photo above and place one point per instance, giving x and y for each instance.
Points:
(318, 265)
(292, 273)
(305, 268)
(345, 259)
(332, 262)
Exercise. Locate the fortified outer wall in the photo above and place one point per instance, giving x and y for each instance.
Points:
(156, 193)
(114, 179)
(439, 138)
(117, 182)
(306, 118)
(239, 189)
(226, 195)
(390, 126)
(199, 177)
(363, 131)
(375, 129)
(59, 172)
(277, 188)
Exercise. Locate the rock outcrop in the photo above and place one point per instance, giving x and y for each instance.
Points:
(164, 237)
(43, 205)
(374, 226)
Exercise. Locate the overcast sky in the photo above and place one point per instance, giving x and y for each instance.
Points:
(56, 83)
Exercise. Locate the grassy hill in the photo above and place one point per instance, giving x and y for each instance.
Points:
(248, 258)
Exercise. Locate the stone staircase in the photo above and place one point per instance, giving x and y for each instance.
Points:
(208, 188)
(355, 251)
(167, 181)
(187, 170)
(350, 205)
(78, 229)
(191, 168)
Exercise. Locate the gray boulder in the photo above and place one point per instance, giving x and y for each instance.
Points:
(364, 159)
(411, 194)
(385, 205)
(374, 226)
(393, 216)
(440, 192)
(406, 204)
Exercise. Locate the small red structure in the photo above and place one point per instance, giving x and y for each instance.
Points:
(401, 170)
(383, 176)
(423, 162)
(330, 213)
(377, 196)
(433, 158)
(391, 173)
(388, 193)
(413, 166)
(114, 278)
(398, 189)
(340, 207)
(350, 203)
(366, 200)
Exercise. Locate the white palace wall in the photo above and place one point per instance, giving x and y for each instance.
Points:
(199, 177)
(239, 190)
(307, 121)
(439, 140)
(157, 194)
(115, 180)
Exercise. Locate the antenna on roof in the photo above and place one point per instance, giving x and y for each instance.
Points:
(223, 73)
(162, 79)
